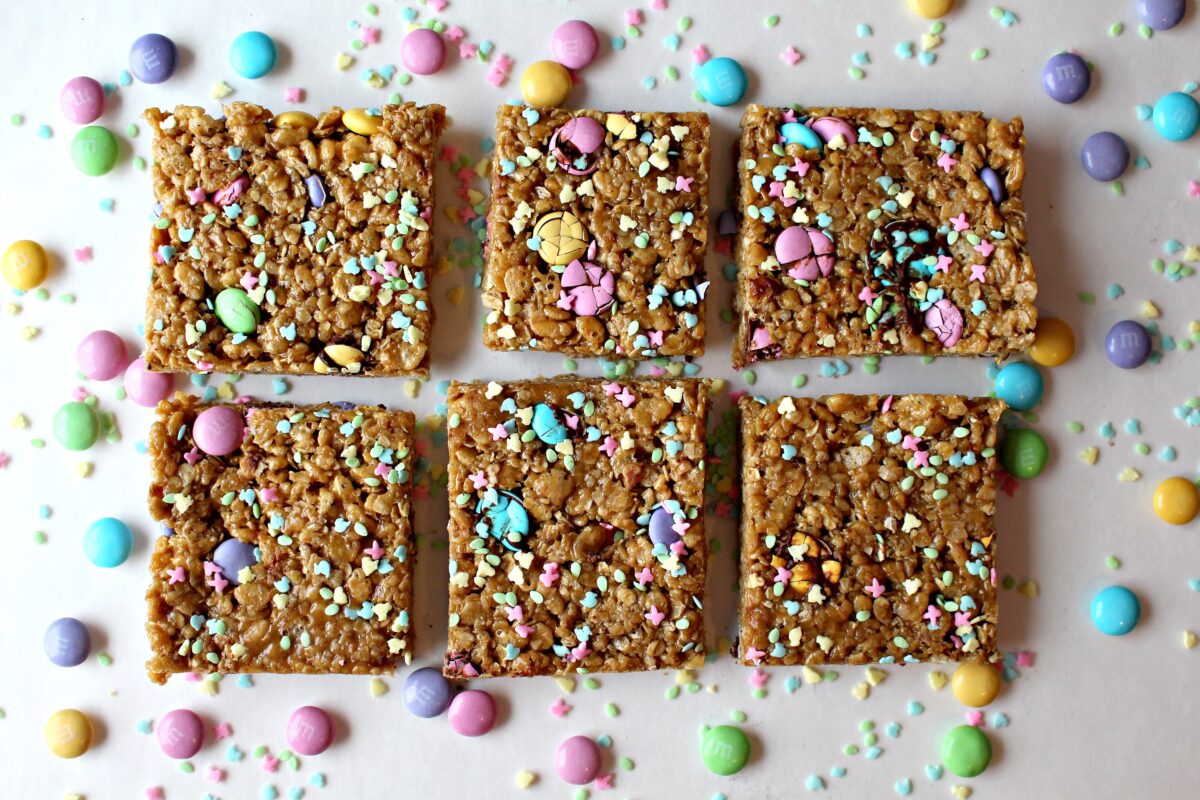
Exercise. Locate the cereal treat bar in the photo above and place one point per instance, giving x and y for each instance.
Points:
(867, 231)
(576, 526)
(597, 232)
(866, 531)
(292, 244)
(287, 541)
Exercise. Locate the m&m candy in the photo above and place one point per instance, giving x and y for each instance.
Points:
(360, 122)
(931, 9)
(101, 355)
(724, 749)
(1127, 344)
(574, 44)
(68, 733)
(1023, 453)
(545, 84)
(1020, 385)
(233, 556)
(1104, 156)
(236, 310)
(95, 150)
(1066, 77)
(252, 54)
(82, 100)
(67, 642)
(722, 81)
(1176, 501)
(966, 751)
(423, 51)
(1116, 611)
(1176, 116)
(152, 58)
(472, 713)
(309, 731)
(144, 387)
(1161, 15)
(577, 760)
(180, 733)
(76, 426)
(218, 430)
(25, 265)
(108, 542)
(427, 693)
(1053, 342)
(975, 685)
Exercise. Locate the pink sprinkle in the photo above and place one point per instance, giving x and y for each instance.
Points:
(977, 272)
(503, 63)
(268, 495)
(498, 432)
(214, 774)
(560, 708)
(549, 574)
(605, 781)
(222, 730)
(195, 196)
(479, 479)
(80, 393)
(523, 630)
(758, 678)
(656, 338)
(678, 548)
(776, 189)
(455, 34)
(655, 616)
(644, 576)
(211, 569)
(910, 442)
(83, 254)
(946, 162)
(5, 460)
(943, 264)
(579, 652)
(960, 222)
(962, 618)
(633, 16)
(626, 397)
(985, 248)
(789, 115)
(192, 456)
(887, 404)
(921, 458)
(515, 614)
(249, 281)
(437, 5)
(382, 470)
(1194, 188)
(658, 5)
(754, 654)
(791, 56)
(270, 763)
(217, 582)
(683, 184)
(1024, 658)
(610, 446)
(932, 614)
(611, 388)
(572, 421)
(154, 793)
(700, 54)
(975, 719)
(375, 550)
(467, 50)
(369, 35)
(875, 588)
(293, 94)
(799, 166)
(177, 575)
(760, 338)
(867, 295)
(232, 192)
(782, 575)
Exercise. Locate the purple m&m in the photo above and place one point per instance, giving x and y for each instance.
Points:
(82, 100)
(101, 355)
(1127, 344)
(427, 693)
(152, 58)
(180, 733)
(233, 556)
(991, 179)
(1066, 77)
(144, 387)
(574, 44)
(1161, 14)
(309, 731)
(423, 51)
(577, 760)
(67, 642)
(472, 713)
(1105, 156)
(662, 527)
(218, 430)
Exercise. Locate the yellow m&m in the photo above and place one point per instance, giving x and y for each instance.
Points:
(25, 265)
(1176, 501)
(68, 733)
(975, 685)
(931, 9)
(359, 121)
(1053, 342)
(296, 119)
(545, 84)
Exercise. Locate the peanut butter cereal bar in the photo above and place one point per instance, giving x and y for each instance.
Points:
(291, 552)
(866, 532)
(292, 244)
(868, 231)
(597, 232)
(576, 526)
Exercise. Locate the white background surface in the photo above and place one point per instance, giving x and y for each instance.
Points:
(1096, 717)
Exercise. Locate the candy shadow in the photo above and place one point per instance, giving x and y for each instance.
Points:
(343, 731)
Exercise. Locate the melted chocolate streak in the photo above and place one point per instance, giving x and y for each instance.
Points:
(899, 275)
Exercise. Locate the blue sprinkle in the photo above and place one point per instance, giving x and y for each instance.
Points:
(1144, 112)
(863, 30)
(1106, 431)
(933, 772)
(1115, 290)
(837, 772)
(893, 730)
(999, 720)
(617, 42)
(915, 709)
(873, 753)
(1168, 453)
(904, 787)
(649, 82)
(1132, 426)
(815, 783)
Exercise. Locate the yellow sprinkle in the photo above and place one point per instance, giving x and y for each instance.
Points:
(221, 90)
(209, 688)
(484, 168)
(1029, 589)
(875, 676)
(455, 295)
(227, 391)
(937, 680)
(84, 468)
(378, 687)
(961, 792)
(525, 779)
(810, 675)
(1089, 455)
(1191, 253)
(411, 387)
(724, 645)
(1150, 311)
(343, 61)
(566, 684)
(12, 309)
(717, 386)
(711, 688)
(452, 214)
(684, 676)
(1189, 640)
(30, 332)
(1129, 475)
(20, 422)
(861, 690)
(74, 796)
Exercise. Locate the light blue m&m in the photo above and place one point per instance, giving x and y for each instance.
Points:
(722, 81)
(252, 54)
(1020, 385)
(108, 542)
(1176, 116)
(1115, 611)
(799, 133)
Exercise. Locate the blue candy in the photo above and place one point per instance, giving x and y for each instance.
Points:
(507, 521)
(1176, 116)
(108, 542)
(722, 81)
(1115, 611)
(547, 425)
(798, 133)
(252, 54)
(1020, 385)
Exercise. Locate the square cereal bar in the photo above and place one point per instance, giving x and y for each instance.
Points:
(596, 233)
(867, 531)
(576, 526)
(292, 244)
(867, 231)
(287, 543)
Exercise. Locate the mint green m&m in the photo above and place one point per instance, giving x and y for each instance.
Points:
(237, 311)
(725, 749)
(94, 150)
(1023, 453)
(76, 426)
(966, 751)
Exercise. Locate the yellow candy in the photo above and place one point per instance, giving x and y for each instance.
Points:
(931, 9)
(68, 733)
(545, 84)
(975, 685)
(1053, 342)
(297, 119)
(562, 236)
(25, 265)
(359, 121)
(1176, 501)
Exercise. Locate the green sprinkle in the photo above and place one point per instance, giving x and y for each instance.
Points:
(749, 377)
(569, 365)
(1116, 29)
(1142, 449)
(759, 694)
(1075, 427)
(1118, 188)
(626, 763)
(1087, 298)
(737, 716)
(611, 710)
(186, 768)
(771, 21)
(671, 73)
(17, 119)
(39, 537)
(799, 380)
(684, 23)
(1145, 31)
(850, 749)
(672, 692)
(1112, 562)
(979, 54)
(937, 27)
(591, 683)
(104, 658)
(866, 726)
(856, 74)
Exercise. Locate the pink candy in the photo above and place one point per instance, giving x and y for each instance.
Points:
(218, 430)
(147, 388)
(180, 733)
(587, 287)
(82, 100)
(423, 51)
(577, 760)
(101, 355)
(828, 129)
(472, 713)
(574, 44)
(309, 731)
(807, 251)
(583, 136)
(946, 322)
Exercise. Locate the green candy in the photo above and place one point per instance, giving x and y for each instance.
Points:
(1023, 453)
(725, 749)
(966, 751)
(76, 426)
(237, 311)
(94, 150)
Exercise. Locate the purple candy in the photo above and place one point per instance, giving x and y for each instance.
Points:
(165, 530)
(1161, 14)
(726, 223)
(427, 693)
(1127, 344)
(67, 642)
(661, 527)
(1105, 156)
(232, 555)
(152, 58)
(316, 190)
(991, 179)
(1066, 77)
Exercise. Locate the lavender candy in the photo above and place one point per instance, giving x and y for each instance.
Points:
(1161, 15)
(1066, 77)
(67, 642)
(991, 179)
(1104, 156)
(316, 190)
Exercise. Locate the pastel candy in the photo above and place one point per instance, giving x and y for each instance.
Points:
(662, 529)
(799, 133)
(995, 185)
(946, 322)
(829, 128)
(82, 100)
(547, 425)
(585, 136)
(144, 387)
(232, 556)
(793, 244)
(507, 521)
(807, 263)
(218, 430)
(588, 288)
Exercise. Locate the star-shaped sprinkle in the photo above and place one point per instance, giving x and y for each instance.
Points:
(633, 16)
(605, 781)
(985, 248)
(921, 458)
(943, 263)
(977, 272)
(177, 575)
(375, 551)
(154, 793)
(975, 719)
(217, 582)
(249, 281)
(867, 295)
(549, 574)
(962, 618)
(960, 222)
(910, 442)
(626, 397)
(214, 774)
(754, 654)
(656, 338)
(560, 708)
(874, 588)
(1194, 188)
(782, 574)
(610, 446)
(946, 162)
(655, 616)
(479, 479)
(643, 576)
(1024, 658)
(683, 184)
(791, 56)
(758, 678)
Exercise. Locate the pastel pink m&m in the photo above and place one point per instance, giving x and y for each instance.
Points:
(577, 760)
(309, 731)
(423, 51)
(472, 713)
(180, 733)
(82, 100)
(144, 387)
(218, 430)
(101, 355)
(574, 44)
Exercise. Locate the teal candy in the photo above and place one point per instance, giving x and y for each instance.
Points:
(108, 542)
(547, 426)
(252, 54)
(721, 81)
(507, 520)
(798, 133)
(1116, 611)
(1176, 116)
(1020, 385)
